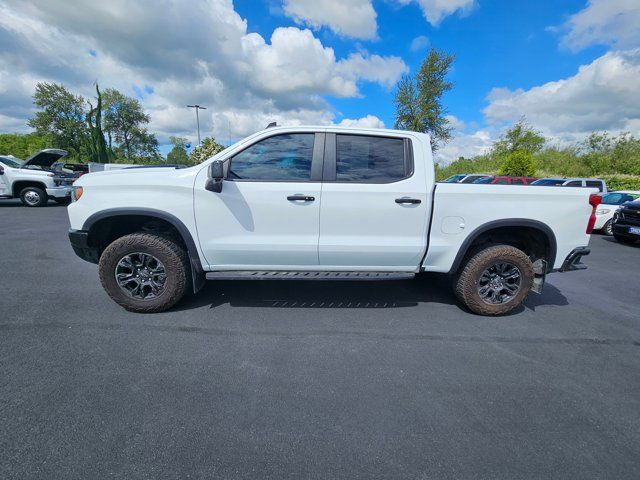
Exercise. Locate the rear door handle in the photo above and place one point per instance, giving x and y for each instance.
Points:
(300, 198)
(413, 201)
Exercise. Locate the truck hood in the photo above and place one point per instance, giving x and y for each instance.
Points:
(45, 158)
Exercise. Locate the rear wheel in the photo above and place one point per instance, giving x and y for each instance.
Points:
(624, 239)
(33, 197)
(495, 280)
(144, 273)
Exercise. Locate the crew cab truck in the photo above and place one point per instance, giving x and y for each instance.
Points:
(320, 203)
(33, 181)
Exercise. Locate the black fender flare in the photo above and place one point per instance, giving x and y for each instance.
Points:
(197, 272)
(508, 222)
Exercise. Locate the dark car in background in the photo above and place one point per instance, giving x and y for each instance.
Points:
(465, 178)
(505, 180)
(626, 223)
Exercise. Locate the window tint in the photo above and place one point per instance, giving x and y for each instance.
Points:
(575, 183)
(282, 157)
(484, 180)
(549, 182)
(594, 184)
(369, 159)
(501, 181)
(517, 181)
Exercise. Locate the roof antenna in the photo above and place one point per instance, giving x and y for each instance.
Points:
(272, 124)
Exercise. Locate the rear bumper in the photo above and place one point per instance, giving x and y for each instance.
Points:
(59, 192)
(80, 243)
(572, 262)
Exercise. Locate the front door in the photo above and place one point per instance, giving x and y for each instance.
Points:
(375, 206)
(267, 215)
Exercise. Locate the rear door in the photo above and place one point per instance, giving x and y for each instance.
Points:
(374, 203)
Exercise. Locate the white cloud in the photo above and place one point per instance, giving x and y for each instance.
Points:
(466, 142)
(603, 95)
(370, 121)
(201, 54)
(436, 10)
(419, 43)
(608, 22)
(348, 18)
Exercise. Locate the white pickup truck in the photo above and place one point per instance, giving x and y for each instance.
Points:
(33, 181)
(319, 203)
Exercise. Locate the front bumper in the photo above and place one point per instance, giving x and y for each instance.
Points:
(80, 243)
(572, 262)
(60, 192)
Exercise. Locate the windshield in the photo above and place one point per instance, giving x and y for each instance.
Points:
(618, 198)
(455, 178)
(551, 182)
(12, 162)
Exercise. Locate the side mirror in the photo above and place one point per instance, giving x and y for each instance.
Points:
(216, 174)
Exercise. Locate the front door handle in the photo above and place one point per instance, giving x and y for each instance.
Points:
(413, 201)
(300, 198)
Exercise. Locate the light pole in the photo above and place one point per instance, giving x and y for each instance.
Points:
(197, 107)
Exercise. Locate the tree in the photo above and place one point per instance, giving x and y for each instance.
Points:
(178, 154)
(124, 122)
(23, 145)
(418, 99)
(207, 149)
(61, 117)
(520, 137)
(97, 146)
(519, 163)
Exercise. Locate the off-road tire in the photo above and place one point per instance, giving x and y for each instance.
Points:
(41, 194)
(170, 253)
(466, 283)
(624, 239)
(607, 229)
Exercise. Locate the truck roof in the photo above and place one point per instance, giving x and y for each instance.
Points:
(344, 129)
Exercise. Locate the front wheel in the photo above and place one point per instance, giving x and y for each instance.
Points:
(495, 280)
(607, 229)
(33, 197)
(144, 273)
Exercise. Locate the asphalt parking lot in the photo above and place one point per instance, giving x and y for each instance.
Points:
(279, 380)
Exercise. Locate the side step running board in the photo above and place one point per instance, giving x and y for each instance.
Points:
(281, 275)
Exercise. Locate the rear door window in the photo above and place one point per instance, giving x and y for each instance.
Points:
(370, 159)
(594, 184)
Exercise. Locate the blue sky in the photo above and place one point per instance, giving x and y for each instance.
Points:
(570, 67)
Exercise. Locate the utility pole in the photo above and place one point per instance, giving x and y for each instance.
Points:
(197, 107)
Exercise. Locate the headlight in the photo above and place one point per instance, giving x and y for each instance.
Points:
(603, 211)
(76, 193)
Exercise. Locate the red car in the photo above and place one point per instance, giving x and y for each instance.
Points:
(504, 180)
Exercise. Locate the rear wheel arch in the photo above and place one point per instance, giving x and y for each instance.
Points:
(534, 238)
(108, 225)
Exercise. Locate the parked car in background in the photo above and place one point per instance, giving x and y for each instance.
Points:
(573, 182)
(626, 223)
(505, 180)
(465, 178)
(609, 205)
(330, 203)
(71, 169)
(34, 181)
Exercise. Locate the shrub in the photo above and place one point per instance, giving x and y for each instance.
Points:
(520, 163)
